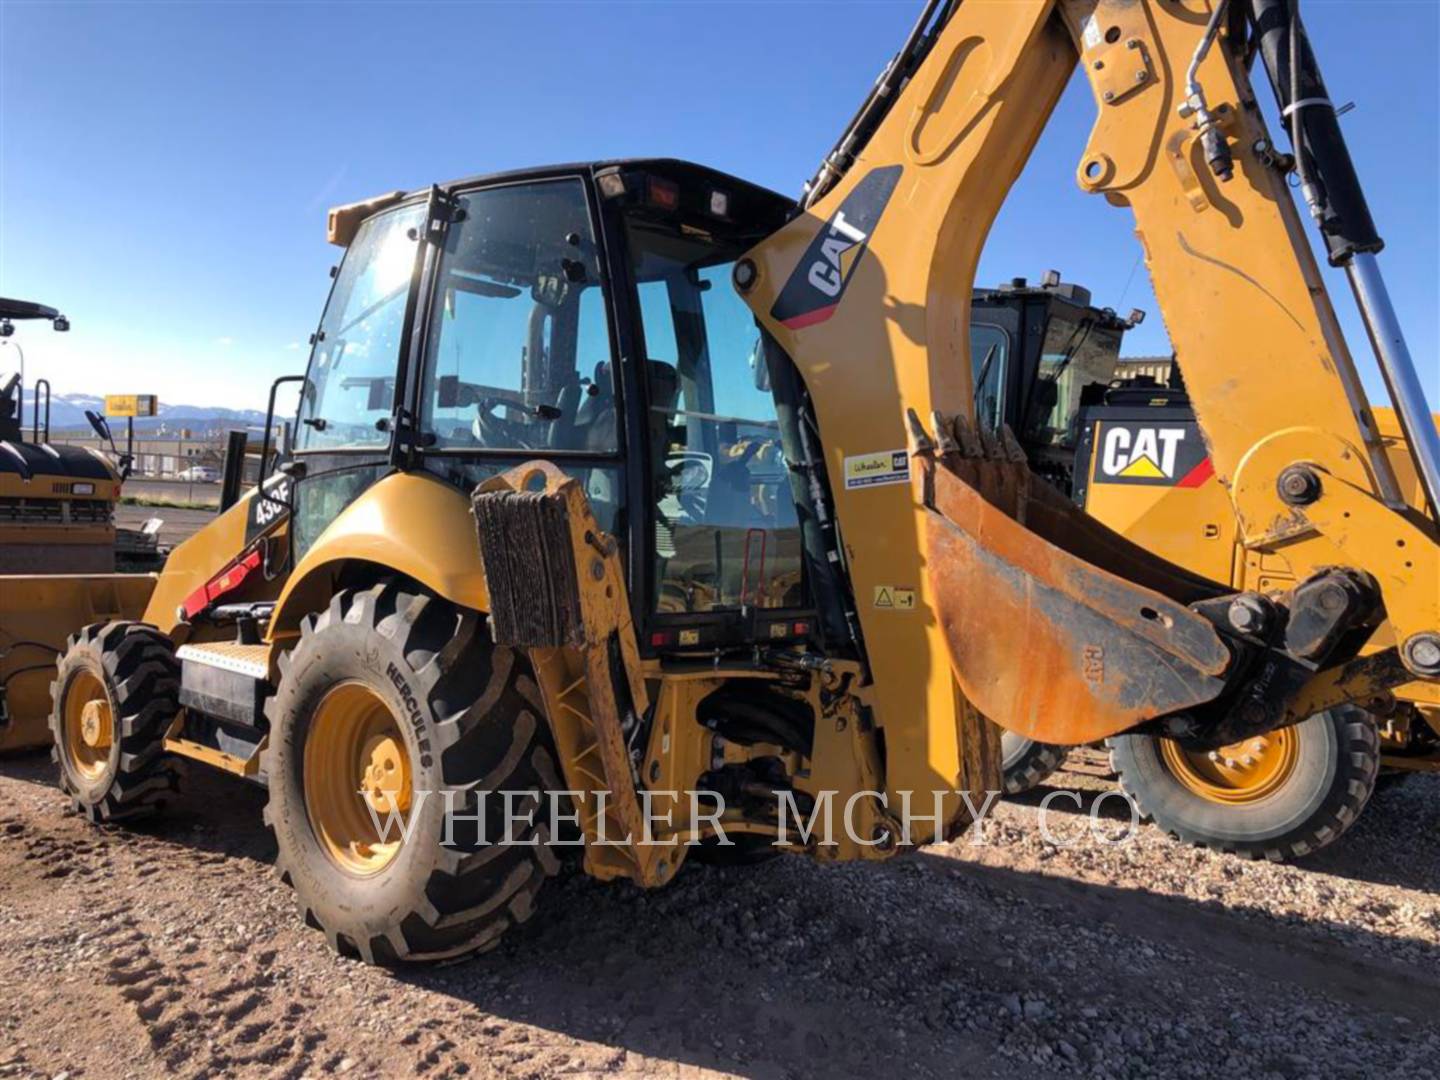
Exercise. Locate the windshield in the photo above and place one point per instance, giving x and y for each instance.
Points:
(1075, 353)
(351, 382)
(726, 529)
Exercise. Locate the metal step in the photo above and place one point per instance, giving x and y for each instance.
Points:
(251, 660)
(226, 680)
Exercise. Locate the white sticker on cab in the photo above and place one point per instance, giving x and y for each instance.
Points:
(872, 470)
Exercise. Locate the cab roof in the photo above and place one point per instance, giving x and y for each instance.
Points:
(344, 220)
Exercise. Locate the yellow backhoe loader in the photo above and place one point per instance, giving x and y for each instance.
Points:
(623, 481)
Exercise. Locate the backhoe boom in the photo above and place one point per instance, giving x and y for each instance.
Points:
(1055, 633)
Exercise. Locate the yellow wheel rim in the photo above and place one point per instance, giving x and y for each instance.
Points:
(357, 774)
(1237, 774)
(89, 727)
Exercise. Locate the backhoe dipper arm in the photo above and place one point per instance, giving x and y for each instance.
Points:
(1052, 626)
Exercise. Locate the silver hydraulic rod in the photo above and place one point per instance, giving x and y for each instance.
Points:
(1398, 370)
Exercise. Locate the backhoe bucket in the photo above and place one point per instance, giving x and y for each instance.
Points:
(1058, 628)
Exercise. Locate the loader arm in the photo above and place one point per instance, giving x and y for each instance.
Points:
(1050, 627)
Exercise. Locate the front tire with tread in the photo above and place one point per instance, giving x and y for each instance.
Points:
(135, 665)
(473, 723)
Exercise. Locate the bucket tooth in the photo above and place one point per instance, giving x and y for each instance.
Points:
(965, 436)
(945, 440)
(1013, 450)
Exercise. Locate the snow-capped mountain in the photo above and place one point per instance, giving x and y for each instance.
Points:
(67, 413)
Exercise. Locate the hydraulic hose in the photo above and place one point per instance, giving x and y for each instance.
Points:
(1323, 163)
(877, 103)
(1336, 201)
(1212, 139)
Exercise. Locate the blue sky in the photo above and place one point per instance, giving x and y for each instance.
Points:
(165, 167)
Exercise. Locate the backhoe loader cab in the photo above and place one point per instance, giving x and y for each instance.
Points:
(586, 317)
(1035, 352)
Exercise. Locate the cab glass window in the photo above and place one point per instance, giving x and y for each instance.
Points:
(324, 494)
(726, 529)
(989, 361)
(351, 381)
(519, 344)
(1075, 353)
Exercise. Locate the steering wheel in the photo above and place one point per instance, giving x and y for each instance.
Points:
(493, 430)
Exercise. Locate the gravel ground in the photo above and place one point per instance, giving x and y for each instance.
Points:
(161, 491)
(174, 950)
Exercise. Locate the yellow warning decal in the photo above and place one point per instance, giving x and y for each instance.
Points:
(894, 598)
(872, 470)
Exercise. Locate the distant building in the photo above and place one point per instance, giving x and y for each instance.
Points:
(1158, 368)
(159, 457)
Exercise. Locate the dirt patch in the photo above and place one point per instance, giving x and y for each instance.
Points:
(173, 950)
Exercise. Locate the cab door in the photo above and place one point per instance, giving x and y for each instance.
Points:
(726, 557)
(516, 352)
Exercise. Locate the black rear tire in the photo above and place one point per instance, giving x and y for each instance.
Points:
(1338, 759)
(472, 724)
(1025, 763)
(134, 666)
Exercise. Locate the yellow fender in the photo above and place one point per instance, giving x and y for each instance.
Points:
(407, 523)
(195, 562)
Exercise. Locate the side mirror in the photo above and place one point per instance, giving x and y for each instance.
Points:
(100, 425)
(759, 368)
(308, 388)
(447, 392)
(60, 323)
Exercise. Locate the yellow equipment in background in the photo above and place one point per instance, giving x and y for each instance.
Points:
(1125, 445)
(534, 571)
(57, 508)
(1287, 793)
(56, 502)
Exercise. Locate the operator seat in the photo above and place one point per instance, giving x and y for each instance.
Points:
(595, 420)
(664, 392)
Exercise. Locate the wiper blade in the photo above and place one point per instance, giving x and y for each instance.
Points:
(981, 378)
(376, 306)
